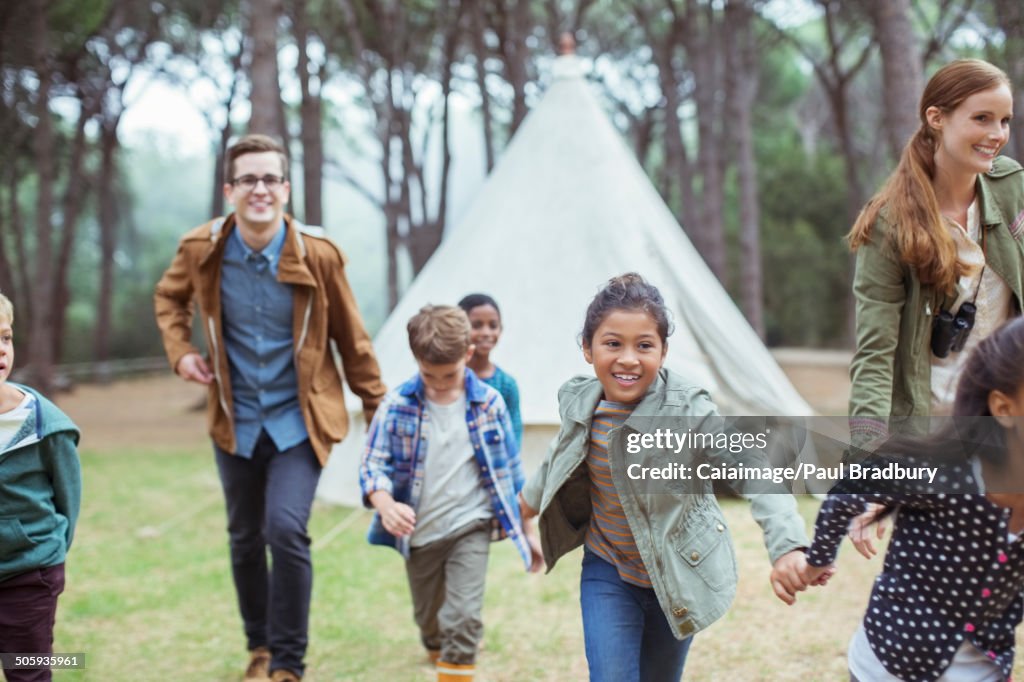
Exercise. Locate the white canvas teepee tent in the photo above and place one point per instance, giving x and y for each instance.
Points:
(567, 208)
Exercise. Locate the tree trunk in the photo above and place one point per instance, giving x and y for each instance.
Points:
(77, 187)
(702, 50)
(217, 198)
(23, 288)
(390, 207)
(676, 177)
(511, 27)
(7, 286)
(108, 240)
(431, 231)
(677, 161)
(310, 114)
(41, 346)
(266, 89)
(480, 52)
(902, 79)
(1010, 16)
(217, 195)
(743, 84)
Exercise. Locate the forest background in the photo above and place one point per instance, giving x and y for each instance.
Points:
(765, 125)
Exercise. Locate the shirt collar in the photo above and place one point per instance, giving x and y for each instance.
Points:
(476, 390)
(991, 214)
(272, 251)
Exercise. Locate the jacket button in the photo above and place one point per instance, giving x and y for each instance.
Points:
(680, 611)
(694, 556)
(720, 528)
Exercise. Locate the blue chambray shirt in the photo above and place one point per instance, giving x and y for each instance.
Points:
(398, 442)
(258, 338)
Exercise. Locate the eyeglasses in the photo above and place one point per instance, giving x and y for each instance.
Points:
(249, 182)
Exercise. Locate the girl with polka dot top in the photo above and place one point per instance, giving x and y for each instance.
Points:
(951, 591)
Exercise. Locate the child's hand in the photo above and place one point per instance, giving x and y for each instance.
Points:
(818, 575)
(860, 530)
(787, 575)
(398, 518)
(527, 513)
(536, 553)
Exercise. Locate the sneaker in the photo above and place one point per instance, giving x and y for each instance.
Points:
(259, 665)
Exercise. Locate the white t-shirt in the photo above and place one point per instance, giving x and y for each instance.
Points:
(11, 421)
(994, 302)
(453, 493)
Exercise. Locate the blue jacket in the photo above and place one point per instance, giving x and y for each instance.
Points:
(40, 490)
(397, 445)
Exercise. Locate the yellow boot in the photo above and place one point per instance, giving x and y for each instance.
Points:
(453, 672)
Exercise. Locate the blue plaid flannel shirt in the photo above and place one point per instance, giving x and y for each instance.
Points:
(397, 445)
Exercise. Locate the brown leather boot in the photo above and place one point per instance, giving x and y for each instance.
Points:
(282, 675)
(259, 665)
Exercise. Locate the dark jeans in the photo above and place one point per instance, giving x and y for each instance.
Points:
(28, 609)
(625, 632)
(268, 501)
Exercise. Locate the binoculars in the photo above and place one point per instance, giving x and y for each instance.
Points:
(950, 332)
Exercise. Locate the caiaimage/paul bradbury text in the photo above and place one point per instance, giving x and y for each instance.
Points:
(893, 471)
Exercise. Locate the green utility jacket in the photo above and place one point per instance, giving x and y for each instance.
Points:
(679, 530)
(891, 369)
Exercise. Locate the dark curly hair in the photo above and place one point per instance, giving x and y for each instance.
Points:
(627, 292)
(470, 301)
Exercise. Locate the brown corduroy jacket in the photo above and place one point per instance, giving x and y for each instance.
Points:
(324, 310)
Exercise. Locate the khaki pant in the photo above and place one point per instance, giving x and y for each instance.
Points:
(446, 579)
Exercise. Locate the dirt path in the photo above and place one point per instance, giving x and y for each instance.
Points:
(821, 376)
(157, 410)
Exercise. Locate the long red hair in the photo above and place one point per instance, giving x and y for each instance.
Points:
(911, 207)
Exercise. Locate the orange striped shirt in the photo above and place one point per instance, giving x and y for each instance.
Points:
(609, 535)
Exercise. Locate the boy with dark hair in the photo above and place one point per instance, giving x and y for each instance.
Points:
(441, 468)
(40, 492)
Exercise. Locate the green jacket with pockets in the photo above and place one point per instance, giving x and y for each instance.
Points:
(679, 529)
(891, 368)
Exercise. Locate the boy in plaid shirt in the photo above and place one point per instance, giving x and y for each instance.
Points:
(441, 468)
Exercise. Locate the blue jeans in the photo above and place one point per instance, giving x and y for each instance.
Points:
(627, 636)
(268, 499)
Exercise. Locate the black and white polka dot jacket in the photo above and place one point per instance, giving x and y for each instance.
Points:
(950, 573)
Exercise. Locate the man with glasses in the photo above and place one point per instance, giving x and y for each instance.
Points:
(272, 295)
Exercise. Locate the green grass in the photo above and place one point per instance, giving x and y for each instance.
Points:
(149, 595)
